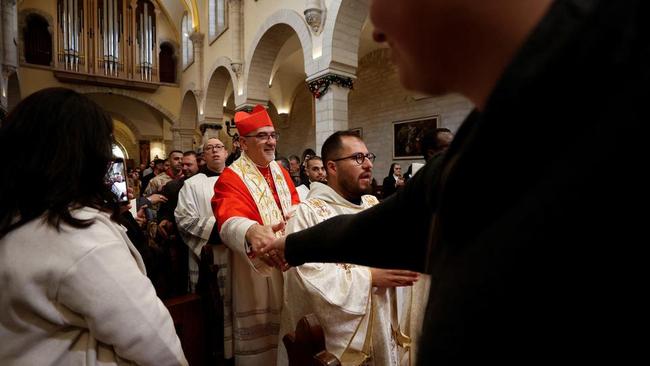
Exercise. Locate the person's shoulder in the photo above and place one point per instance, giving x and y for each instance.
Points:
(103, 228)
(68, 241)
(196, 178)
(302, 187)
(227, 176)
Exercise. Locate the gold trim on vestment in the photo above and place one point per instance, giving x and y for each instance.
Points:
(259, 189)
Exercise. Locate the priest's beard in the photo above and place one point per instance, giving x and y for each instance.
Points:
(355, 190)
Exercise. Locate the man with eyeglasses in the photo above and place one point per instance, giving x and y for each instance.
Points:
(194, 218)
(359, 313)
(252, 199)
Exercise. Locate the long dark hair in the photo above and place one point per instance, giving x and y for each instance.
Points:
(68, 141)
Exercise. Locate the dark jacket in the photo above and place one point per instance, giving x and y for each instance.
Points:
(533, 227)
(388, 186)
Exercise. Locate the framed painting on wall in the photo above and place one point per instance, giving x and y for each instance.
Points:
(407, 136)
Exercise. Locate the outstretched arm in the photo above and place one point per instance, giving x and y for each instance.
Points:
(372, 237)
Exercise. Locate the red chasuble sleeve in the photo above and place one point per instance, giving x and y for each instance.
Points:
(232, 199)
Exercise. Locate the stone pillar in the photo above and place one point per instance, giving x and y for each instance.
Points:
(183, 138)
(9, 24)
(5, 73)
(197, 41)
(4, 86)
(331, 94)
(236, 25)
(2, 32)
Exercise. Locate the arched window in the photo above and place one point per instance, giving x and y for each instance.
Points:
(188, 47)
(167, 63)
(217, 17)
(38, 41)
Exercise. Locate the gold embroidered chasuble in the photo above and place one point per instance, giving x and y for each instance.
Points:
(255, 288)
(355, 316)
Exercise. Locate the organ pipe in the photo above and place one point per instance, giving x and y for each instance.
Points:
(112, 44)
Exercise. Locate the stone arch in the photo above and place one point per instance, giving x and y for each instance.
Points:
(342, 33)
(126, 136)
(13, 91)
(129, 94)
(271, 35)
(189, 111)
(221, 75)
(177, 55)
(134, 130)
(22, 24)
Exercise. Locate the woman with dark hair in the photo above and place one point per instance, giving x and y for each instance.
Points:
(73, 286)
(393, 181)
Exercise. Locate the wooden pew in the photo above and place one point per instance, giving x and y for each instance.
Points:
(306, 346)
(189, 321)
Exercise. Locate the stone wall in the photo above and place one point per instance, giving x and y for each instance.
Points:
(378, 100)
(299, 131)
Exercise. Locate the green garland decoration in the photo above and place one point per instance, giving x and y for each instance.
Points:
(319, 87)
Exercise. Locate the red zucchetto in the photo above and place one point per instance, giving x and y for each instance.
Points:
(249, 122)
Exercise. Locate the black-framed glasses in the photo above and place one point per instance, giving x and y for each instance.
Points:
(264, 136)
(214, 147)
(359, 157)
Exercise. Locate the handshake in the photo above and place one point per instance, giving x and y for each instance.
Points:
(263, 243)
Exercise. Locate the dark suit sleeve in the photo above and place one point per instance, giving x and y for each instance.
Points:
(388, 186)
(170, 190)
(393, 234)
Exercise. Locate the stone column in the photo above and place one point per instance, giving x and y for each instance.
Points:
(8, 22)
(331, 94)
(182, 138)
(6, 71)
(2, 32)
(236, 26)
(197, 41)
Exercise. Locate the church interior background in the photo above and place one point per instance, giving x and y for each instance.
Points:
(173, 72)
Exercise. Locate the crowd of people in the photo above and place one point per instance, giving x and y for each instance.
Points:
(520, 242)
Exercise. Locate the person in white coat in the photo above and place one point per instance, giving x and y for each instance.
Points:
(74, 289)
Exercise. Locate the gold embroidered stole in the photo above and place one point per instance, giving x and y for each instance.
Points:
(261, 192)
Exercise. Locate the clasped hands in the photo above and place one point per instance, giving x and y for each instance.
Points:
(266, 246)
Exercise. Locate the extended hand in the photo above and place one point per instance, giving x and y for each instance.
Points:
(393, 277)
(140, 217)
(156, 198)
(261, 237)
(166, 229)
